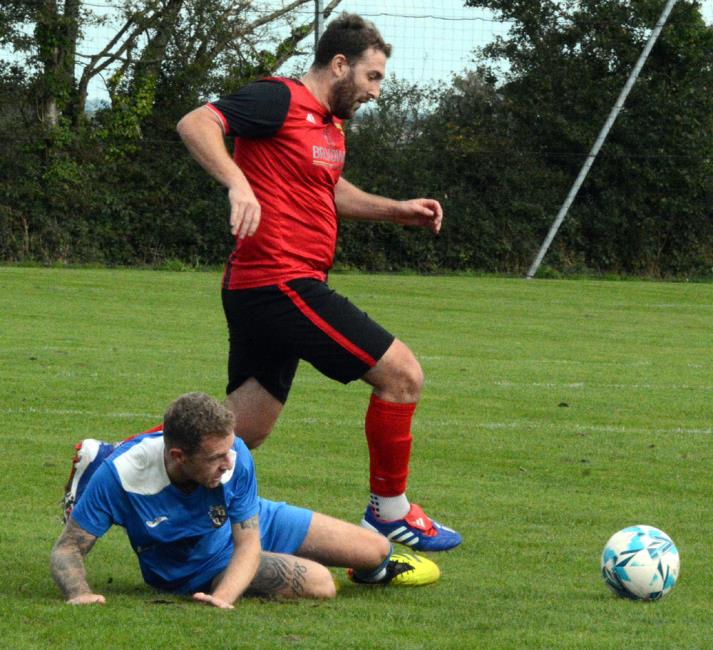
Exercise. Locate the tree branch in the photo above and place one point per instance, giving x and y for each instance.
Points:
(140, 24)
(278, 13)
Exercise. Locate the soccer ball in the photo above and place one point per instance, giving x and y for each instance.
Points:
(640, 562)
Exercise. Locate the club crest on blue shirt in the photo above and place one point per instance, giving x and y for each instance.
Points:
(218, 515)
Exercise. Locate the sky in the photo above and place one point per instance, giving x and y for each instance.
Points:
(432, 39)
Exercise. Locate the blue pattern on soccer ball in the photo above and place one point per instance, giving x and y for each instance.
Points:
(640, 562)
(621, 573)
(636, 543)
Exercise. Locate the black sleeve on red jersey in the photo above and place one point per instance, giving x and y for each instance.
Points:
(257, 110)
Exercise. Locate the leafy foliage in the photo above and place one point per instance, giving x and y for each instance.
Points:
(115, 185)
(499, 145)
(645, 207)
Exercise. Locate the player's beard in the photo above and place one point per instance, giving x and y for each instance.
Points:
(344, 97)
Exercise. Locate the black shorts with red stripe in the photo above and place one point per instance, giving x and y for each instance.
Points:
(271, 328)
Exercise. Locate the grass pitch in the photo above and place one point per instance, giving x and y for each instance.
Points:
(554, 414)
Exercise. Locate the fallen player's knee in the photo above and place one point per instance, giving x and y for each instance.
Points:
(322, 584)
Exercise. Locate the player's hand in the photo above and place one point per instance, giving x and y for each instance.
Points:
(200, 597)
(244, 212)
(420, 212)
(87, 599)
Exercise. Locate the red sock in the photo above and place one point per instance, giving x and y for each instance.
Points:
(388, 434)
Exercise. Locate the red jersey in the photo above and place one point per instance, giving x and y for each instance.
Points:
(292, 162)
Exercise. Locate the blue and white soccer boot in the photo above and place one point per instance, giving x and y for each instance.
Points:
(89, 455)
(416, 530)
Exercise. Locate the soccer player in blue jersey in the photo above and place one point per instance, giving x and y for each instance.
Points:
(187, 497)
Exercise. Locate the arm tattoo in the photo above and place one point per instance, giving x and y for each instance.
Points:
(253, 522)
(277, 575)
(67, 560)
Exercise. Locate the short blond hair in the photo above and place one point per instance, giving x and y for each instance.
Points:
(193, 417)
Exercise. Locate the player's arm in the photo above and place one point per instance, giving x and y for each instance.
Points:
(67, 565)
(202, 132)
(354, 203)
(242, 567)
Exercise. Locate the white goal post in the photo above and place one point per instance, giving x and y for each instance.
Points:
(633, 76)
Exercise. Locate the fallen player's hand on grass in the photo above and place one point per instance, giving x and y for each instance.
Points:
(87, 599)
(211, 600)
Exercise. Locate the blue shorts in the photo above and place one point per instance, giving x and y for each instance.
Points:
(283, 527)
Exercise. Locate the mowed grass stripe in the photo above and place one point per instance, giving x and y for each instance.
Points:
(554, 413)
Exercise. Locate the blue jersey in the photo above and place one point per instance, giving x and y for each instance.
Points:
(182, 540)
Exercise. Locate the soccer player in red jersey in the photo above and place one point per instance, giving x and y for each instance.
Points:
(286, 194)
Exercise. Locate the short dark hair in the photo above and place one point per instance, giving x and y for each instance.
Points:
(351, 36)
(193, 417)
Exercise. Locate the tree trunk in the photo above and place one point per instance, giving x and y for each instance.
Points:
(56, 35)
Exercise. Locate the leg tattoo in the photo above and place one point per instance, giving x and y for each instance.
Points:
(278, 576)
